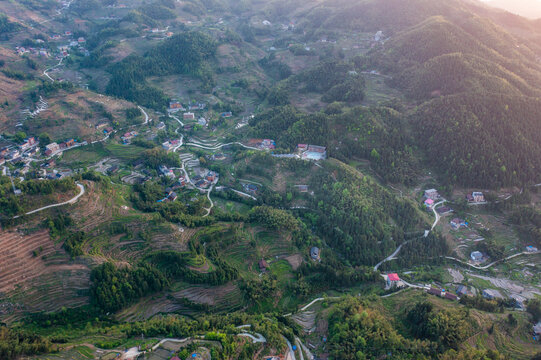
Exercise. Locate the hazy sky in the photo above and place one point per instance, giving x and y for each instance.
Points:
(527, 8)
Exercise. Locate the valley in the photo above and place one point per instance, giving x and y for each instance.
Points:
(218, 179)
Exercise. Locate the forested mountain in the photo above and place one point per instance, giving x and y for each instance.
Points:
(185, 53)
(482, 130)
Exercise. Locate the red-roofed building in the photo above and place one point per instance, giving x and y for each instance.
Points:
(393, 277)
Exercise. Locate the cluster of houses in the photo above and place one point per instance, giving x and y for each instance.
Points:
(312, 152)
(14, 154)
(205, 179)
(54, 148)
(263, 144)
(21, 50)
(127, 137)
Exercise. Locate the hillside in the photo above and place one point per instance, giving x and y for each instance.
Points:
(276, 179)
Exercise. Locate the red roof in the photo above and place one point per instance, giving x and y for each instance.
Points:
(393, 277)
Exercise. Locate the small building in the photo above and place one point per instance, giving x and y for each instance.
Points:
(537, 329)
(302, 188)
(172, 196)
(175, 105)
(434, 291)
(188, 116)
(450, 296)
(53, 147)
(226, 114)
(202, 121)
(315, 152)
(315, 253)
(462, 290)
(161, 125)
(531, 249)
(429, 203)
(263, 265)
(392, 279)
(443, 210)
(492, 294)
(108, 130)
(28, 143)
(432, 194)
(112, 170)
(477, 256)
(458, 223)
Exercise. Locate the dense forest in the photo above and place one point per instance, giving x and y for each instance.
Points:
(358, 330)
(184, 53)
(354, 212)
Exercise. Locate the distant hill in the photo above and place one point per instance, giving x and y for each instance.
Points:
(527, 8)
(470, 59)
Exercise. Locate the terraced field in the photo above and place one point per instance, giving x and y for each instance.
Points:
(37, 275)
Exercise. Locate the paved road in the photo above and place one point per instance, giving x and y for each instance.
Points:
(146, 115)
(494, 262)
(45, 72)
(71, 201)
(388, 258)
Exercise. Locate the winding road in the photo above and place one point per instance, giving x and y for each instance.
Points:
(71, 201)
(46, 71)
(393, 255)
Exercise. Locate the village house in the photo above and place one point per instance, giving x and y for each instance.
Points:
(49, 163)
(477, 256)
(172, 196)
(443, 210)
(432, 194)
(13, 154)
(531, 249)
(315, 253)
(113, 169)
(434, 291)
(211, 176)
(314, 152)
(393, 280)
(165, 171)
(198, 106)
(161, 125)
(492, 294)
(537, 329)
(302, 188)
(202, 121)
(462, 290)
(188, 116)
(126, 138)
(176, 105)
(2, 160)
(108, 130)
(475, 197)
(226, 114)
(429, 203)
(28, 143)
(458, 223)
(263, 265)
(53, 147)
(450, 296)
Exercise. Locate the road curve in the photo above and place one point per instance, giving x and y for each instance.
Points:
(71, 201)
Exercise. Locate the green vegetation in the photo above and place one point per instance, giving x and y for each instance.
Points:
(184, 53)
